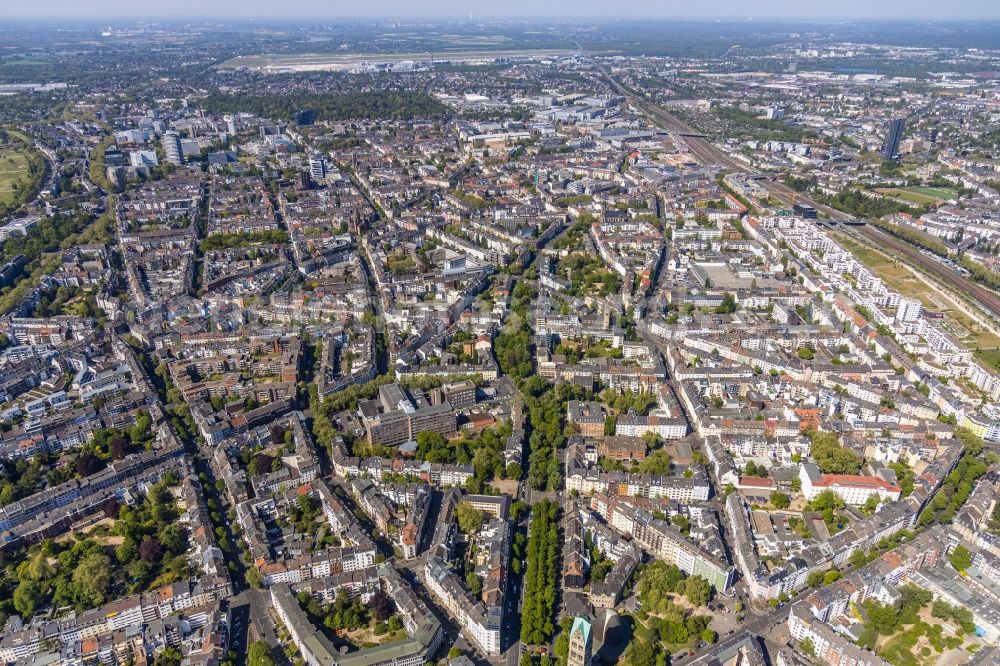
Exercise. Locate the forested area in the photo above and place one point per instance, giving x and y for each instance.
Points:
(98, 165)
(912, 236)
(748, 124)
(981, 274)
(24, 477)
(587, 274)
(20, 478)
(660, 580)
(325, 409)
(904, 626)
(830, 506)
(977, 271)
(484, 452)
(513, 345)
(47, 236)
(852, 201)
(513, 351)
(800, 184)
(665, 626)
(259, 654)
(375, 105)
(345, 614)
(110, 444)
(67, 300)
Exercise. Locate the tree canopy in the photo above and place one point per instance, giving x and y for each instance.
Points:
(470, 519)
(259, 654)
(830, 456)
(960, 558)
(540, 578)
(384, 105)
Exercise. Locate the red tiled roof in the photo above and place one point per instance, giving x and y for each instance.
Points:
(756, 482)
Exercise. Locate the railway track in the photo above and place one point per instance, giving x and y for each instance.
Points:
(985, 298)
(708, 153)
(792, 196)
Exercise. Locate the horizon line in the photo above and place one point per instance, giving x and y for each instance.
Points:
(728, 18)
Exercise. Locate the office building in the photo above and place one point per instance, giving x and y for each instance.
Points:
(171, 142)
(894, 135)
(317, 168)
(399, 416)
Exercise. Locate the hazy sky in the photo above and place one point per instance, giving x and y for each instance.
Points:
(901, 9)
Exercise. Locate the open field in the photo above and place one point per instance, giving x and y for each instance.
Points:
(901, 278)
(919, 195)
(939, 192)
(990, 358)
(337, 61)
(17, 135)
(13, 172)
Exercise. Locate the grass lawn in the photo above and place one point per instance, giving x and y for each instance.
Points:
(367, 637)
(900, 278)
(17, 135)
(643, 633)
(13, 171)
(919, 195)
(908, 197)
(989, 357)
(639, 630)
(944, 193)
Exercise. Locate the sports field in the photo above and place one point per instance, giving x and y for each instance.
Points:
(921, 196)
(945, 193)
